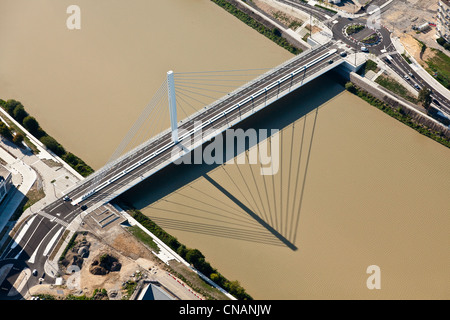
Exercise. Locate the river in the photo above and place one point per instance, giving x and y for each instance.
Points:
(355, 187)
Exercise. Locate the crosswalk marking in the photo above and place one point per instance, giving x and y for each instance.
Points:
(53, 218)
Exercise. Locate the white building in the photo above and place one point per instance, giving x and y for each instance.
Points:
(5, 182)
(443, 20)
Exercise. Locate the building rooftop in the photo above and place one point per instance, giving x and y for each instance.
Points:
(154, 292)
(4, 173)
(446, 2)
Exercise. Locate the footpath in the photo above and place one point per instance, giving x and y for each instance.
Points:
(43, 171)
(23, 178)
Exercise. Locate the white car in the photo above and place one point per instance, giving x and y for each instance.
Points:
(364, 49)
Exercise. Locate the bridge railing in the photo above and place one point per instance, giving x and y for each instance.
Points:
(145, 144)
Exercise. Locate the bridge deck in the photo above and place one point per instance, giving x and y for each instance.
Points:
(157, 153)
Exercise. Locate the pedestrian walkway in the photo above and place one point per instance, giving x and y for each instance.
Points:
(23, 179)
(53, 219)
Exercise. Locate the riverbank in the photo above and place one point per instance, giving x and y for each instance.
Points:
(398, 110)
(193, 256)
(259, 24)
(28, 127)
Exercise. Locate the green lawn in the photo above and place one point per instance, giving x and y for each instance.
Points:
(395, 87)
(144, 237)
(439, 67)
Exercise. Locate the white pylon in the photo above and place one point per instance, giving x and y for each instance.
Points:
(172, 106)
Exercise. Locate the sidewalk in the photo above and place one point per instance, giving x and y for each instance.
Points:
(23, 179)
(43, 152)
(420, 70)
(26, 168)
(167, 253)
(294, 34)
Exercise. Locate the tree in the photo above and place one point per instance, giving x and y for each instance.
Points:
(425, 97)
(53, 145)
(10, 105)
(350, 86)
(18, 138)
(276, 32)
(19, 113)
(31, 124)
(182, 250)
(5, 131)
(193, 256)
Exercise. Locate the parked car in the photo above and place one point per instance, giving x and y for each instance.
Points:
(436, 102)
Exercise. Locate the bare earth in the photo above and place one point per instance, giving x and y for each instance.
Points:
(137, 262)
(403, 14)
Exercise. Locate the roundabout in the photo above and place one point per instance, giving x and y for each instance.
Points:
(362, 35)
(358, 33)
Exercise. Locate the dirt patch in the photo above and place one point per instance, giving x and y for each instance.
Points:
(109, 263)
(414, 48)
(402, 15)
(289, 18)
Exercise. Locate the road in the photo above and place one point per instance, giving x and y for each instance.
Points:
(39, 235)
(398, 64)
(402, 68)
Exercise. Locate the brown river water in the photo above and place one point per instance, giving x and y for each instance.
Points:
(355, 187)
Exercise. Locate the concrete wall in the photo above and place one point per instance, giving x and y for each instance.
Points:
(415, 112)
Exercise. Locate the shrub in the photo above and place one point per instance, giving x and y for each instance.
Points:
(53, 145)
(18, 138)
(10, 105)
(19, 113)
(5, 131)
(31, 124)
(371, 65)
(350, 87)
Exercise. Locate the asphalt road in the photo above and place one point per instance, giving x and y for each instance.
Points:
(41, 232)
(383, 46)
(402, 68)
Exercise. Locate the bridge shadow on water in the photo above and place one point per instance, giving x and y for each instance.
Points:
(214, 199)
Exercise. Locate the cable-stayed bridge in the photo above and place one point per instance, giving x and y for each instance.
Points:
(125, 171)
(192, 102)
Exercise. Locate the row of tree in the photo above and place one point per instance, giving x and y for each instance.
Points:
(18, 112)
(193, 256)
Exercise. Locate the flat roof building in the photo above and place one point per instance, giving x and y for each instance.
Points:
(155, 291)
(5, 182)
(443, 20)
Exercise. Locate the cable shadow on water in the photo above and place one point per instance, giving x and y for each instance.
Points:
(283, 114)
(251, 213)
(218, 231)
